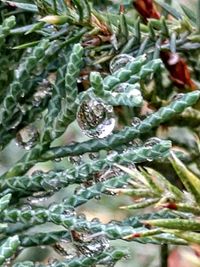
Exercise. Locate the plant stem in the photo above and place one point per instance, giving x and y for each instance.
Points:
(163, 255)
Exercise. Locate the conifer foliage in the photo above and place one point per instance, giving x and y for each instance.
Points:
(123, 75)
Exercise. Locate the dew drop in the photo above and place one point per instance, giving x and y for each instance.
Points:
(51, 184)
(177, 96)
(16, 119)
(75, 159)
(37, 173)
(27, 137)
(119, 62)
(26, 207)
(89, 244)
(81, 216)
(114, 222)
(60, 249)
(97, 197)
(97, 245)
(108, 192)
(152, 141)
(23, 108)
(69, 212)
(79, 189)
(57, 159)
(131, 166)
(121, 88)
(44, 90)
(38, 197)
(93, 156)
(135, 122)
(137, 142)
(52, 262)
(95, 118)
(112, 154)
(116, 171)
(95, 220)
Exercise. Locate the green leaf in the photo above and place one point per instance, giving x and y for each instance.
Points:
(172, 11)
(8, 248)
(23, 46)
(179, 224)
(189, 13)
(4, 202)
(190, 181)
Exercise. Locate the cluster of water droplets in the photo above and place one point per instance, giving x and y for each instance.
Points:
(27, 137)
(95, 118)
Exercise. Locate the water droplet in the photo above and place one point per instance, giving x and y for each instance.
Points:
(17, 73)
(152, 141)
(106, 174)
(69, 212)
(60, 249)
(93, 156)
(51, 184)
(131, 166)
(57, 159)
(116, 171)
(38, 197)
(135, 122)
(121, 88)
(177, 97)
(75, 159)
(112, 154)
(89, 244)
(26, 207)
(114, 222)
(97, 197)
(23, 108)
(43, 90)
(52, 262)
(95, 118)
(16, 119)
(37, 173)
(119, 62)
(27, 137)
(111, 193)
(137, 142)
(95, 220)
(79, 189)
(81, 216)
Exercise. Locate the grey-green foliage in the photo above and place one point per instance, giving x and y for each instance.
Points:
(57, 65)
